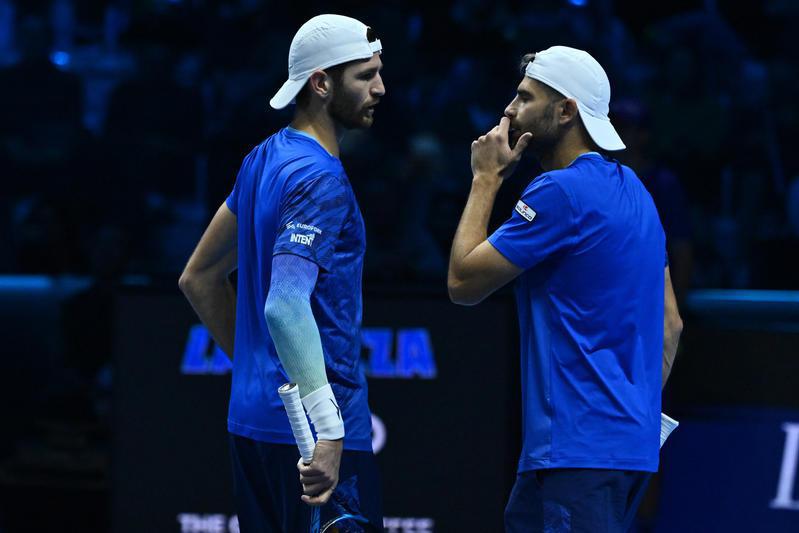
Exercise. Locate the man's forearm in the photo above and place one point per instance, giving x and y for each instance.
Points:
(296, 336)
(215, 304)
(294, 331)
(473, 227)
(671, 341)
(672, 326)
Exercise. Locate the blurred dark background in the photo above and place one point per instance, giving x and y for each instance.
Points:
(123, 123)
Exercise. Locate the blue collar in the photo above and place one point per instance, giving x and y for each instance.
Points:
(298, 132)
(309, 136)
(584, 155)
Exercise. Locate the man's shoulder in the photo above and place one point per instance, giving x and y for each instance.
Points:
(578, 179)
(552, 181)
(310, 174)
(581, 167)
(304, 165)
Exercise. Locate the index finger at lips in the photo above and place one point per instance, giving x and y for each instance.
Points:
(504, 125)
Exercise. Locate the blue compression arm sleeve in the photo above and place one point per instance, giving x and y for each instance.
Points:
(292, 324)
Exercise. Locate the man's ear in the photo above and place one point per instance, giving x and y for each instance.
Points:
(568, 111)
(321, 84)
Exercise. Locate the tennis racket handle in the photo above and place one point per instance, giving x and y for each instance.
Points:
(290, 394)
(667, 425)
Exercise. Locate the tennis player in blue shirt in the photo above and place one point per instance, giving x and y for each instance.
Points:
(598, 320)
(294, 230)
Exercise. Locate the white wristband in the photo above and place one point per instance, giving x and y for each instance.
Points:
(324, 412)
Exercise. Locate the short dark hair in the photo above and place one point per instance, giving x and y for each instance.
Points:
(526, 60)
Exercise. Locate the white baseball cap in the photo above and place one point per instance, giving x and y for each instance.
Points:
(575, 74)
(324, 41)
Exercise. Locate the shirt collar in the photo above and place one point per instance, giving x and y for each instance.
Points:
(309, 136)
(299, 132)
(585, 155)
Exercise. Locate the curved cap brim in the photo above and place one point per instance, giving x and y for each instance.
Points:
(286, 94)
(602, 132)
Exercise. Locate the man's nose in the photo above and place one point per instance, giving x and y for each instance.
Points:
(378, 89)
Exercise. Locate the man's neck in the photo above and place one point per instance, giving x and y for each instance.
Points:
(570, 147)
(563, 157)
(318, 124)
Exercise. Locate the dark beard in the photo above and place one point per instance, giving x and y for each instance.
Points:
(346, 113)
(542, 145)
(545, 135)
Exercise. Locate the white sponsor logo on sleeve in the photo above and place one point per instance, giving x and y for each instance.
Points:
(307, 240)
(299, 225)
(525, 210)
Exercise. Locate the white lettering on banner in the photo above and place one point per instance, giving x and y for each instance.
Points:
(790, 454)
(307, 240)
(408, 525)
(378, 434)
(208, 523)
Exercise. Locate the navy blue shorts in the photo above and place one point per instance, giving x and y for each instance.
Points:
(561, 500)
(267, 491)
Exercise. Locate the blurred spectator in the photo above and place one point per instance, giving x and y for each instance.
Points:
(177, 127)
(40, 118)
(154, 127)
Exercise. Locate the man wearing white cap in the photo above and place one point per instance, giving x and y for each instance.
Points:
(293, 229)
(588, 249)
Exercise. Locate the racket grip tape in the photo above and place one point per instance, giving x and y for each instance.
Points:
(290, 394)
(667, 425)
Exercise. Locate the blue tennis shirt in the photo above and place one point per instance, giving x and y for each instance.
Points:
(292, 196)
(590, 305)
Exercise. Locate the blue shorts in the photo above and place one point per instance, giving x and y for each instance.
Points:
(576, 500)
(267, 491)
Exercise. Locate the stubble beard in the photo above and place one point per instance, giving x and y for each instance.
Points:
(545, 135)
(347, 113)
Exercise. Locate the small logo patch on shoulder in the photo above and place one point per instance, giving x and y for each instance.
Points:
(525, 210)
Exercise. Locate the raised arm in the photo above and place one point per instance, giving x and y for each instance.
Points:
(476, 268)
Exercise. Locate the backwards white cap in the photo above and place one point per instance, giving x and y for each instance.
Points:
(322, 42)
(575, 74)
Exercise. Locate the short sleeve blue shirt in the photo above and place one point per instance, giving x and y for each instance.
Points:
(590, 304)
(292, 196)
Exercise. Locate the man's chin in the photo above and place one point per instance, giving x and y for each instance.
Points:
(357, 123)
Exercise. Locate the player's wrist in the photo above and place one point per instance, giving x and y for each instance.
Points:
(325, 414)
(486, 182)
